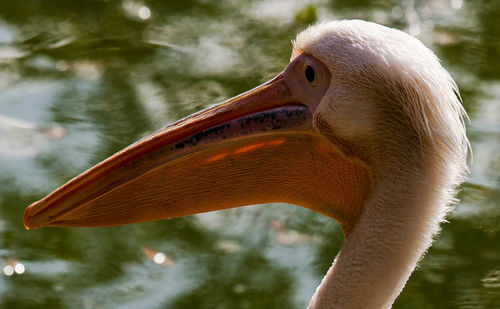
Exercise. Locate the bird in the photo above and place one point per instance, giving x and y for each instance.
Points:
(364, 126)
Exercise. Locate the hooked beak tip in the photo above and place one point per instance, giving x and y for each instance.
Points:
(28, 218)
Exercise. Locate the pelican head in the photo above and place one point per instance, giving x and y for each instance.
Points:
(364, 126)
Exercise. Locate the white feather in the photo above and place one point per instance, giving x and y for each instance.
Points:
(398, 111)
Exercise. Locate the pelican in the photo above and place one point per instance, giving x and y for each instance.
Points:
(364, 126)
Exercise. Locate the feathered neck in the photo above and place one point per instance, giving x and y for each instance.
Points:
(401, 216)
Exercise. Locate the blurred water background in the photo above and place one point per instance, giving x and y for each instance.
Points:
(80, 80)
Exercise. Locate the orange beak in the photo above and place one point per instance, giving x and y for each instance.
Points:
(258, 147)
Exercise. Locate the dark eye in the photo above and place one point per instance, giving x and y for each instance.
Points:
(310, 74)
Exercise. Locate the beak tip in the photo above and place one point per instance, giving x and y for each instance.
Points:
(28, 218)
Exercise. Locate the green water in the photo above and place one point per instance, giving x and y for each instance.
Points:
(79, 80)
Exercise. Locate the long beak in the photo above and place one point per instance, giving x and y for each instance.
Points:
(258, 147)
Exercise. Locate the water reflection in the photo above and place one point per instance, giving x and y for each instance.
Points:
(81, 80)
(12, 267)
(157, 257)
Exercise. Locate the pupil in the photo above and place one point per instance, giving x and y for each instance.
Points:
(310, 75)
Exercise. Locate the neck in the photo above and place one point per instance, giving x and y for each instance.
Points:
(401, 215)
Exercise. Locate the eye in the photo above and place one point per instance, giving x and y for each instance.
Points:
(310, 74)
